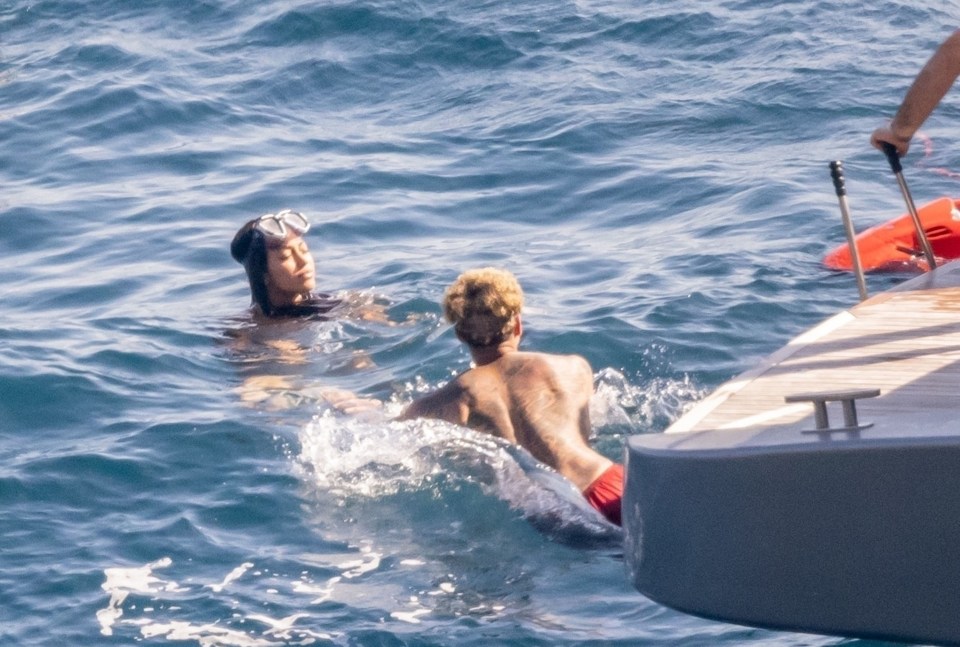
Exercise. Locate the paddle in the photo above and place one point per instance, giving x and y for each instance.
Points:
(891, 152)
(836, 172)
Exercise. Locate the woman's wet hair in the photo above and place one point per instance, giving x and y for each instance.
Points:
(249, 248)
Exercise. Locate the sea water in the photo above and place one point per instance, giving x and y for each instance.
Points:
(656, 175)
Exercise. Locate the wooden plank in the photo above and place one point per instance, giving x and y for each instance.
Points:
(905, 342)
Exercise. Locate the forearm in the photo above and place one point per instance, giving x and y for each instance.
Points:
(927, 90)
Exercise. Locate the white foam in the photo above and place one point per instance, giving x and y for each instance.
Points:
(120, 582)
(413, 617)
(206, 635)
(323, 593)
(235, 574)
(356, 568)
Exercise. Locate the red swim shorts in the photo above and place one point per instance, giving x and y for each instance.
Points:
(605, 493)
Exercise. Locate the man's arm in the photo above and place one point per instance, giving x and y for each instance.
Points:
(447, 403)
(930, 86)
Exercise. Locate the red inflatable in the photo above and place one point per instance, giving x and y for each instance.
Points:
(893, 246)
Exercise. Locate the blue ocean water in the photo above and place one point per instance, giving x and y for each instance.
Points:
(654, 173)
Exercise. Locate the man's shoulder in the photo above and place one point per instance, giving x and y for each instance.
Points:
(443, 402)
(534, 367)
(554, 360)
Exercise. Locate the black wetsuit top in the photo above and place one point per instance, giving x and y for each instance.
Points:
(316, 306)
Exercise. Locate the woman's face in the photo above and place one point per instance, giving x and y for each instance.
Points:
(291, 272)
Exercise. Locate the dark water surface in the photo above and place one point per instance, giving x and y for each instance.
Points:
(654, 173)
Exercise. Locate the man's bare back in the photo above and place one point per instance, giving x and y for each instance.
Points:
(538, 401)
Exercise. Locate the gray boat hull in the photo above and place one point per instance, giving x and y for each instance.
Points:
(832, 534)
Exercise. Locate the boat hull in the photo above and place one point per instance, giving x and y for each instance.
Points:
(847, 536)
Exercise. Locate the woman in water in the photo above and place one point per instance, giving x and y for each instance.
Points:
(282, 277)
(280, 267)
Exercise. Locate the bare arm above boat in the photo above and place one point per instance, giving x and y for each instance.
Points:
(928, 88)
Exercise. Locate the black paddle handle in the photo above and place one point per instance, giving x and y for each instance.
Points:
(891, 152)
(836, 172)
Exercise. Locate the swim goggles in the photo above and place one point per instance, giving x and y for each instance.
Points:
(275, 225)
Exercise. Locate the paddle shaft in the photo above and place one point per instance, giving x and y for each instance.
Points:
(836, 172)
(891, 152)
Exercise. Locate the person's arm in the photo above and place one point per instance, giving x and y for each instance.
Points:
(447, 403)
(277, 392)
(930, 86)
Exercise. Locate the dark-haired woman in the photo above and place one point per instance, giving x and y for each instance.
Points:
(280, 267)
(282, 277)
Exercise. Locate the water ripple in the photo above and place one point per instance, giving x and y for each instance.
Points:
(655, 175)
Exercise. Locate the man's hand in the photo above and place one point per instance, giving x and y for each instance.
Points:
(887, 134)
(349, 402)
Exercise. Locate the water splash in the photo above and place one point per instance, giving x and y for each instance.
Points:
(373, 460)
(640, 408)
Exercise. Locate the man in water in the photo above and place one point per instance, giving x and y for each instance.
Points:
(536, 400)
(930, 86)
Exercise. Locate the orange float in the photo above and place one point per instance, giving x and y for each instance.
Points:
(893, 246)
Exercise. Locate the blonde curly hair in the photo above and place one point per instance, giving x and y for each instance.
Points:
(483, 305)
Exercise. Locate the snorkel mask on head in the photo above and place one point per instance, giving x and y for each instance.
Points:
(276, 225)
(270, 226)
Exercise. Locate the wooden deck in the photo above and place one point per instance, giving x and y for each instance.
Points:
(905, 342)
